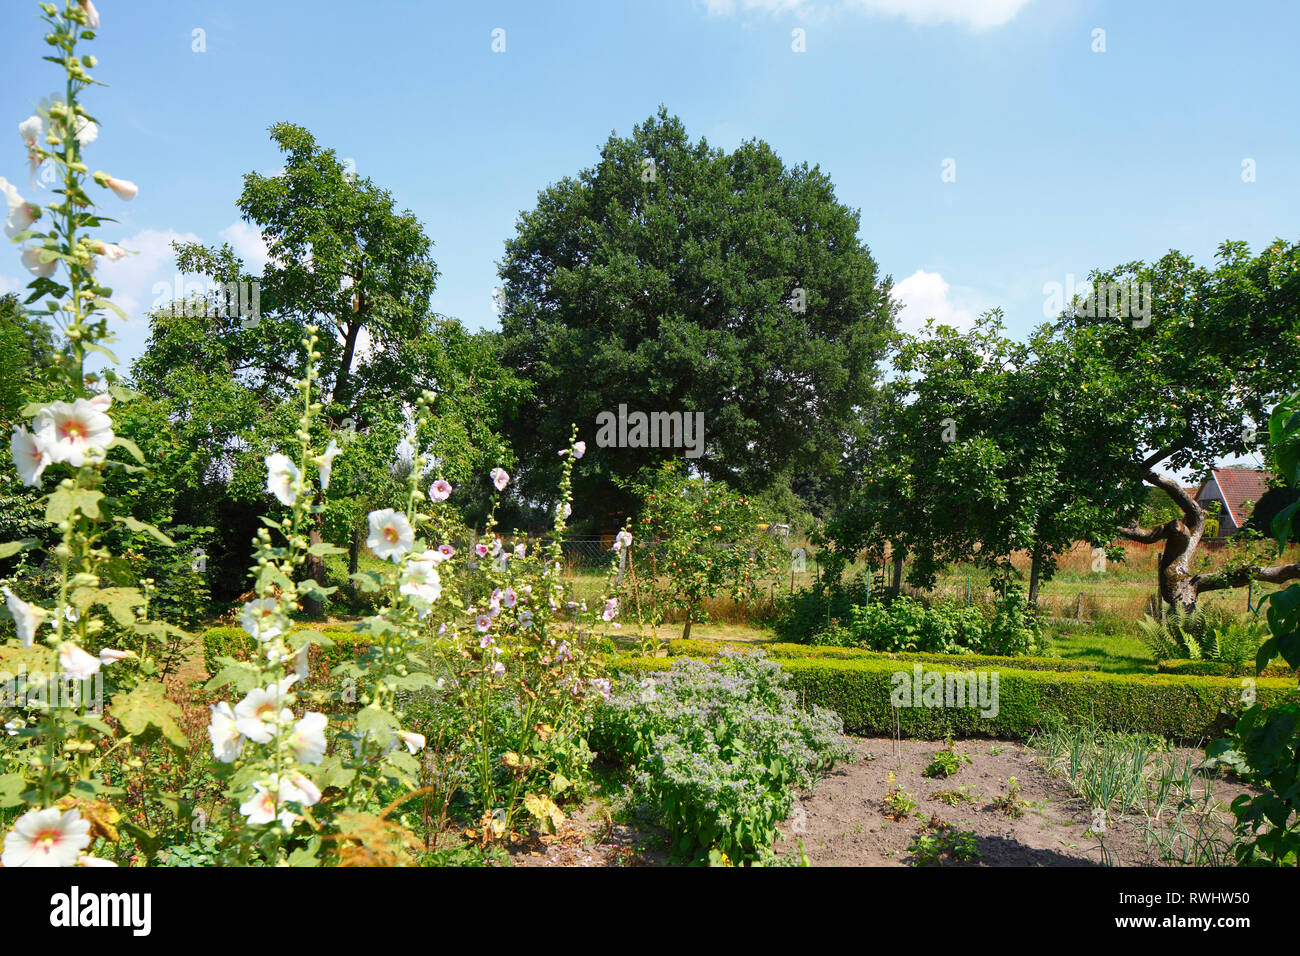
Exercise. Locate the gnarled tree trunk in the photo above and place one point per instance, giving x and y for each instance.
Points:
(1179, 588)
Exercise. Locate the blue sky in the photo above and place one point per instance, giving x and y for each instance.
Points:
(1065, 158)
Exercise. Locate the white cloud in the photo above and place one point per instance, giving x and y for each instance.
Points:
(132, 279)
(248, 244)
(975, 14)
(927, 295)
(724, 8)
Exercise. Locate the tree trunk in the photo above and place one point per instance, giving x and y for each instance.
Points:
(354, 554)
(686, 631)
(314, 566)
(897, 584)
(1035, 570)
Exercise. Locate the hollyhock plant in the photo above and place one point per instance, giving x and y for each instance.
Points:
(391, 535)
(21, 213)
(29, 455)
(325, 463)
(227, 741)
(28, 617)
(76, 663)
(500, 478)
(263, 619)
(49, 837)
(73, 432)
(282, 477)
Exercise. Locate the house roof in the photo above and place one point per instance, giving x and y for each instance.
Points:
(1240, 485)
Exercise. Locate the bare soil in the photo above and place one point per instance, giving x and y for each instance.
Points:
(843, 821)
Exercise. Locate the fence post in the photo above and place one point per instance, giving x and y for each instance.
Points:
(1078, 607)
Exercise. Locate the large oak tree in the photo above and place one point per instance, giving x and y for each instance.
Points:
(677, 277)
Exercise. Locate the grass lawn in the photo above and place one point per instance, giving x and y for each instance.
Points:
(1118, 653)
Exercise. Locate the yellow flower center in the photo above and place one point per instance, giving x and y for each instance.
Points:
(73, 430)
(391, 534)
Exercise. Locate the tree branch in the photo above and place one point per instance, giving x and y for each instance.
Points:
(1239, 577)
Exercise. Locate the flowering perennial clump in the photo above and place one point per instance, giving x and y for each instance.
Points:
(718, 748)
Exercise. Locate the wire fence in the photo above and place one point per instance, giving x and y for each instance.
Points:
(1121, 591)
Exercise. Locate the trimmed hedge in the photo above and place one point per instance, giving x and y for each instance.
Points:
(859, 690)
(1219, 669)
(780, 651)
(235, 642)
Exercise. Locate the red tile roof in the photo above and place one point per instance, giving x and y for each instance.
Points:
(1240, 486)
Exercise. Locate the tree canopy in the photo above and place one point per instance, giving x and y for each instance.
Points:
(677, 277)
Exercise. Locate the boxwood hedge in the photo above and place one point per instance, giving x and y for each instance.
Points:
(701, 648)
(1182, 708)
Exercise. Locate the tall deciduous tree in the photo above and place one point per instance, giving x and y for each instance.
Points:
(677, 277)
(1193, 381)
(344, 259)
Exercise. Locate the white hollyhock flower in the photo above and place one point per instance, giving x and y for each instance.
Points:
(579, 449)
(28, 617)
(509, 597)
(92, 15)
(73, 433)
(260, 808)
(85, 860)
(21, 213)
(498, 669)
(390, 534)
(30, 457)
(500, 478)
(440, 490)
(262, 619)
(124, 188)
(282, 478)
(31, 257)
(102, 400)
(87, 132)
(325, 463)
(46, 838)
(622, 540)
(111, 655)
(420, 579)
(414, 742)
(227, 741)
(32, 132)
(109, 250)
(261, 712)
(76, 663)
(611, 609)
(308, 738)
(299, 788)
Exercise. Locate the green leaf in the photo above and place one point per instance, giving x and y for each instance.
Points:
(143, 527)
(147, 708)
(325, 549)
(12, 786)
(65, 502)
(10, 548)
(120, 442)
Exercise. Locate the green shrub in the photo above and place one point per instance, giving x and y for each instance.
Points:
(859, 690)
(718, 748)
(1186, 635)
(219, 642)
